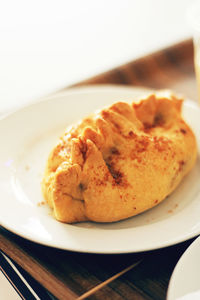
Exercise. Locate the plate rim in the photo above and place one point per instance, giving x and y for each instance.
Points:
(92, 88)
(186, 254)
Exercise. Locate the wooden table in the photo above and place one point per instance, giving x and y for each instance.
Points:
(69, 275)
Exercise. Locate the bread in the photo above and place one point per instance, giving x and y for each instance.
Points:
(120, 161)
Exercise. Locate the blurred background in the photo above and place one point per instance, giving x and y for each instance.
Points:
(48, 45)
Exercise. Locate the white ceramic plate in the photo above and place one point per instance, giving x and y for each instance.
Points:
(26, 139)
(185, 280)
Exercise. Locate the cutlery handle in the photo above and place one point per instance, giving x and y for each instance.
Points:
(23, 283)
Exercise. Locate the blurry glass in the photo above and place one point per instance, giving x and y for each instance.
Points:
(194, 20)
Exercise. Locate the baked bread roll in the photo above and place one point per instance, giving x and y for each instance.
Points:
(120, 161)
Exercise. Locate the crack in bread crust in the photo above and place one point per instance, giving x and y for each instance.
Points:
(120, 161)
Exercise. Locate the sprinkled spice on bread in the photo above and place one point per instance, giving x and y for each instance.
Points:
(119, 161)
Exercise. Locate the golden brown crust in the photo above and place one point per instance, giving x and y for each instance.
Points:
(120, 161)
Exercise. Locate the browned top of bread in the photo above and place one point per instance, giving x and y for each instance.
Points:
(119, 161)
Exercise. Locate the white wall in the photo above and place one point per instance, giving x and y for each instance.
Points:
(46, 45)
